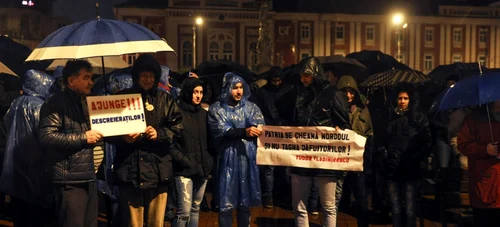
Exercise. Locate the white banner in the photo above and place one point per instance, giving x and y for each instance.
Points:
(311, 147)
(115, 115)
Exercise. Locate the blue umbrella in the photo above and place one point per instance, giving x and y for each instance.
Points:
(98, 37)
(473, 91)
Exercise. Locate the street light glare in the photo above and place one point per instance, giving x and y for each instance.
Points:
(199, 21)
(397, 18)
(405, 25)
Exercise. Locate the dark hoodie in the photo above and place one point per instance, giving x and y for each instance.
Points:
(266, 97)
(319, 104)
(146, 163)
(193, 159)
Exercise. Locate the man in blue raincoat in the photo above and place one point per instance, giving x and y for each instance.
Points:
(22, 173)
(233, 122)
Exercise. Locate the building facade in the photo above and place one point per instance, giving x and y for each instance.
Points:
(28, 25)
(230, 31)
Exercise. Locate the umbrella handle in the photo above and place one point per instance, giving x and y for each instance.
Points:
(489, 121)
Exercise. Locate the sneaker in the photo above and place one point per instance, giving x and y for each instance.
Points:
(268, 203)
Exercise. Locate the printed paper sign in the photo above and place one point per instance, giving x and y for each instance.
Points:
(117, 114)
(311, 147)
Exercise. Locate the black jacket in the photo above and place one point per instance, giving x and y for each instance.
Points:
(320, 104)
(145, 163)
(62, 136)
(407, 139)
(193, 160)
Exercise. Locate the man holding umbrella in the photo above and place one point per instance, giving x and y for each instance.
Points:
(71, 147)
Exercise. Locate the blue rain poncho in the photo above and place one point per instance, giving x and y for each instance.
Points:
(237, 174)
(23, 168)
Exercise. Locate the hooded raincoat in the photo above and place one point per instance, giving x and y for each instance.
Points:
(23, 170)
(237, 174)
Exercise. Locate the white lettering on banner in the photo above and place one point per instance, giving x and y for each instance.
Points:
(114, 115)
(311, 147)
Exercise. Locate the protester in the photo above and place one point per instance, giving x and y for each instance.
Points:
(478, 140)
(315, 102)
(70, 147)
(23, 176)
(233, 122)
(143, 163)
(265, 98)
(193, 163)
(361, 123)
(407, 142)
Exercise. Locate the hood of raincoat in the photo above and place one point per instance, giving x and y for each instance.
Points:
(312, 66)
(230, 80)
(146, 63)
(187, 88)
(37, 84)
(347, 81)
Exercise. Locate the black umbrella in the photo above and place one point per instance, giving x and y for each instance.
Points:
(340, 66)
(377, 61)
(13, 55)
(212, 73)
(393, 77)
(464, 70)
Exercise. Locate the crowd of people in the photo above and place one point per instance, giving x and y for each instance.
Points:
(55, 165)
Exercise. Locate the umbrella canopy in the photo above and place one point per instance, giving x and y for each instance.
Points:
(212, 73)
(111, 63)
(6, 70)
(377, 61)
(99, 37)
(341, 66)
(393, 77)
(463, 70)
(475, 90)
(13, 54)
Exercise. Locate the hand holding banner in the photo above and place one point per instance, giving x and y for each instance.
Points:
(311, 147)
(115, 115)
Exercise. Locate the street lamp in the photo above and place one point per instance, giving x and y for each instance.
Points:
(398, 20)
(199, 22)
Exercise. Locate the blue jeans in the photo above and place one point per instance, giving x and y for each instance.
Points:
(444, 154)
(327, 188)
(409, 190)
(268, 174)
(190, 193)
(242, 216)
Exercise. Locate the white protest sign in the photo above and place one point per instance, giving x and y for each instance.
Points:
(311, 147)
(115, 115)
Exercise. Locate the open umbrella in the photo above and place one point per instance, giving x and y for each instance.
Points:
(377, 61)
(463, 70)
(212, 73)
(6, 70)
(340, 66)
(475, 90)
(111, 63)
(99, 37)
(393, 77)
(13, 54)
